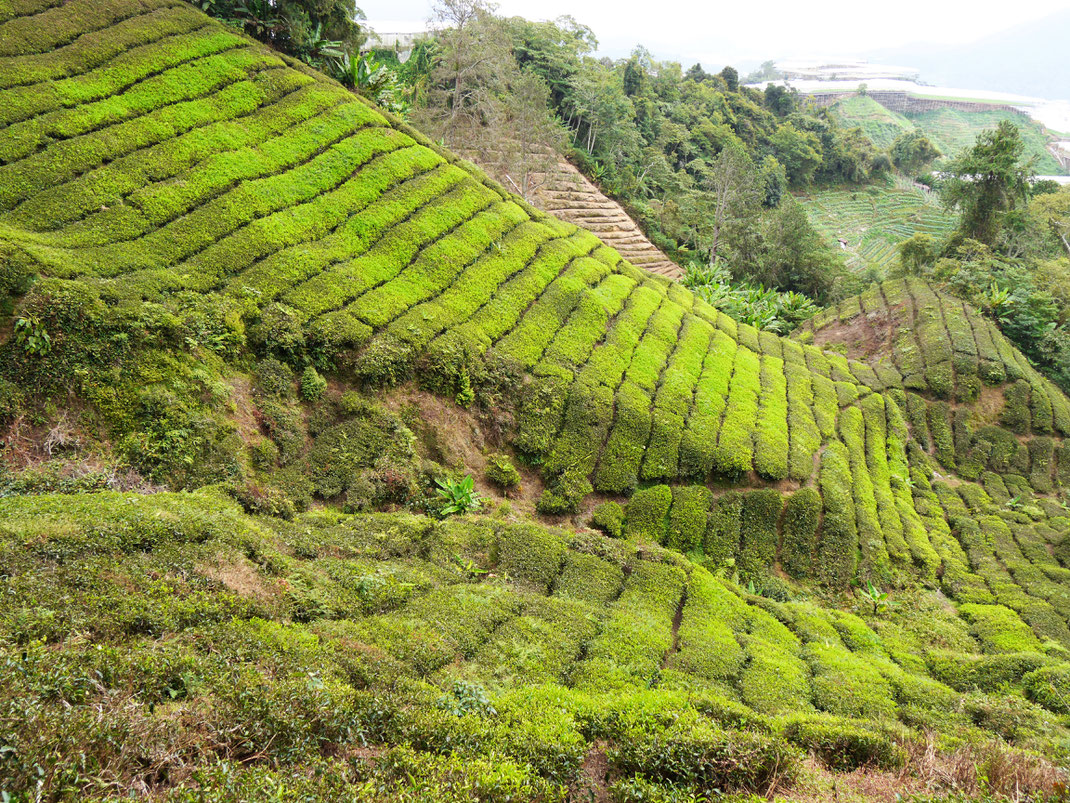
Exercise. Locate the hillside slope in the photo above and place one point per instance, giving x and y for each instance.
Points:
(950, 130)
(197, 176)
(873, 220)
(192, 228)
(569, 195)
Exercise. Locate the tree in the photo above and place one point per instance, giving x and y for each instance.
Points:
(529, 136)
(480, 103)
(799, 152)
(731, 78)
(475, 57)
(912, 152)
(1053, 211)
(780, 100)
(318, 32)
(734, 195)
(795, 256)
(988, 182)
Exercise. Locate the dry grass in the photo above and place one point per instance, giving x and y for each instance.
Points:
(992, 767)
(991, 771)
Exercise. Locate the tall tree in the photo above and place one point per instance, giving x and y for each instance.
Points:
(988, 182)
(912, 152)
(481, 104)
(734, 195)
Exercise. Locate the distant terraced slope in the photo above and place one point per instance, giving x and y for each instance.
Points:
(569, 195)
(155, 160)
(874, 220)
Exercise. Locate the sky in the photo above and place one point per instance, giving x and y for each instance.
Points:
(744, 33)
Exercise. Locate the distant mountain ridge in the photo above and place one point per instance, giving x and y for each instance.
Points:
(1027, 59)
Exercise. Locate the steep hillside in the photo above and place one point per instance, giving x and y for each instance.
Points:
(569, 195)
(873, 220)
(222, 272)
(212, 656)
(881, 125)
(950, 130)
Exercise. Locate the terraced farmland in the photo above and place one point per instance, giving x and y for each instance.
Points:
(192, 228)
(874, 220)
(479, 659)
(951, 130)
(881, 125)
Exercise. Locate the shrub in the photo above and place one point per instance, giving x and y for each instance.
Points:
(265, 454)
(801, 517)
(274, 378)
(313, 385)
(687, 517)
(609, 518)
(999, 629)
(844, 745)
(987, 673)
(758, 531)
(721, 542)
(529, 552)
(695, 753)
(10, 400)
(1049, 686)
(647, 512)
(502, 472)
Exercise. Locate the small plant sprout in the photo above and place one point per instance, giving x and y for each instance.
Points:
(877, 598)
(458, 497)
(470, 568)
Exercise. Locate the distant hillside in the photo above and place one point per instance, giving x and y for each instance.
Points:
(873, 220)
(951, 130)
(881, 125)
(1028, 59)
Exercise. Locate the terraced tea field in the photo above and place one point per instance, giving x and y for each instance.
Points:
(231, 274)
(874, 220)
(953, 130)
(487, 660)
(950, 130)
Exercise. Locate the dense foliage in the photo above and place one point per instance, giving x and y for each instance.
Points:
(213, 656)
(224, 273)
(1009, 255)
(322, 33)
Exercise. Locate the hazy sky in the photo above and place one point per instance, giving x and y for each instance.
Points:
(737, 32)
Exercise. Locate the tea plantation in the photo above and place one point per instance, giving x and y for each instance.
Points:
(236, 301)
(873, 221)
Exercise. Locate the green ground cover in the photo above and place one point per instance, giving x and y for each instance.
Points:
(385, 657)
(221, 272)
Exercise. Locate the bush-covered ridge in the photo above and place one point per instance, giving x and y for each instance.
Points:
(973, 401)
(178, 191)
(190, 160)
(369, 657)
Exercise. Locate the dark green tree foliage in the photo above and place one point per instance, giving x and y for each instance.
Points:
(318, 32)
(651, 134)
(988, 182)
(912, 152)
(802, 514)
